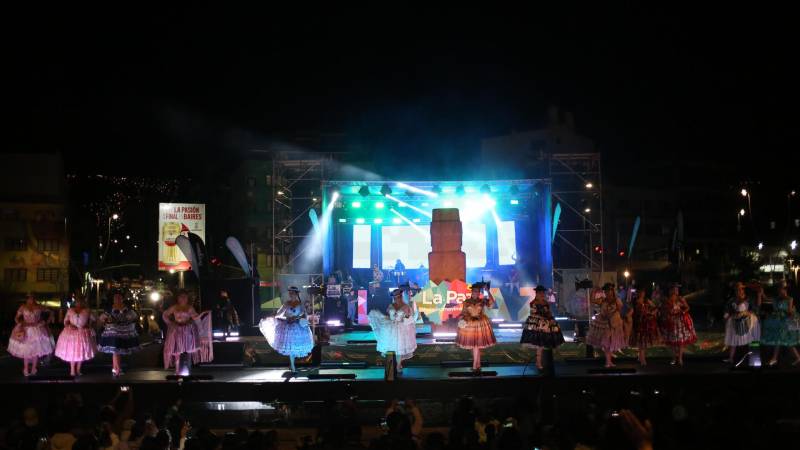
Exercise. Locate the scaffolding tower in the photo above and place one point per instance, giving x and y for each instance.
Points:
(297, 178)
(578, 186)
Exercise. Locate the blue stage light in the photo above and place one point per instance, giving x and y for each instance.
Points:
(514, 202)
(359, 220)
(396, 220)
(342, 220)
(378, 221)
(356, 204)
(379, 205)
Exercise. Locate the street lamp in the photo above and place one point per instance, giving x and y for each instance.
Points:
(626, 274)
(589, 185)
(155, 296)
(744, 192)
(793, 245)
(113, 216)
(741, 212)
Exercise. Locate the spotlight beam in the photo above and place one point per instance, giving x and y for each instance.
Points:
(421, 211)
(417, 190)
(416, 227)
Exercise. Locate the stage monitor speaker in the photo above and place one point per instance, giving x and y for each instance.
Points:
(331, 376)
(48, 377)
(227, 354)
(181, 378)
(344, 365)
(460, 363)
(609, 370)
(335, 309)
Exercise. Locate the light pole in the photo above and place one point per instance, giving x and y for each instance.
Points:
(97, 282)
(113, 216)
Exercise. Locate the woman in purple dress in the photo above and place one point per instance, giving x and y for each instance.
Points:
(187, 332)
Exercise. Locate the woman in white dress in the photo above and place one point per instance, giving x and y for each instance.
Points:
(30, 338)
(395, 332)
(741, 324)
(289, 332)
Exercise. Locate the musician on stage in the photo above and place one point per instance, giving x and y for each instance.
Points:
(352, 309)
(225, 314)
(377, 279)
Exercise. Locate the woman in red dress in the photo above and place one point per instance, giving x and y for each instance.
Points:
(644, 330)
(677, 328)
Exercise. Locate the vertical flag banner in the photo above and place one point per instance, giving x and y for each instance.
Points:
(178, 219)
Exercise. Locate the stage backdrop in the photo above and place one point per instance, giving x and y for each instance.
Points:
(507, 232)
(443, 301)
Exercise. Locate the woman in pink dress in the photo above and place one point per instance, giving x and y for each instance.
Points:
(30, 338)
(187, 332)
(76, 343)
(606, 330)
(474, 327)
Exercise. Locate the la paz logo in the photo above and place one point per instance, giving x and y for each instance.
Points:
(436, 299)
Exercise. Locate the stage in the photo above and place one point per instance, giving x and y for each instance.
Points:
(218, 384)
(349, 366)
(225, 397)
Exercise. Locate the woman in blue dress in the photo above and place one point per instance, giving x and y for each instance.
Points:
(780, 327)
(289, 333)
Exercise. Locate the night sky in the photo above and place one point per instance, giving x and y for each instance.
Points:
(130, 92)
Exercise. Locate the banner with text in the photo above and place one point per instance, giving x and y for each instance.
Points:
(444, 301)
(175, 219)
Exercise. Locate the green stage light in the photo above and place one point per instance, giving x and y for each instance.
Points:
(378, 221)
(426, 204)
(379, 205)
(415, 220)
(356, 204)
(342, 220)
(359, 220)
(515, 202)
(396, 220)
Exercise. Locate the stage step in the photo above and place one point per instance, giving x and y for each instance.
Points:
(483, 373)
